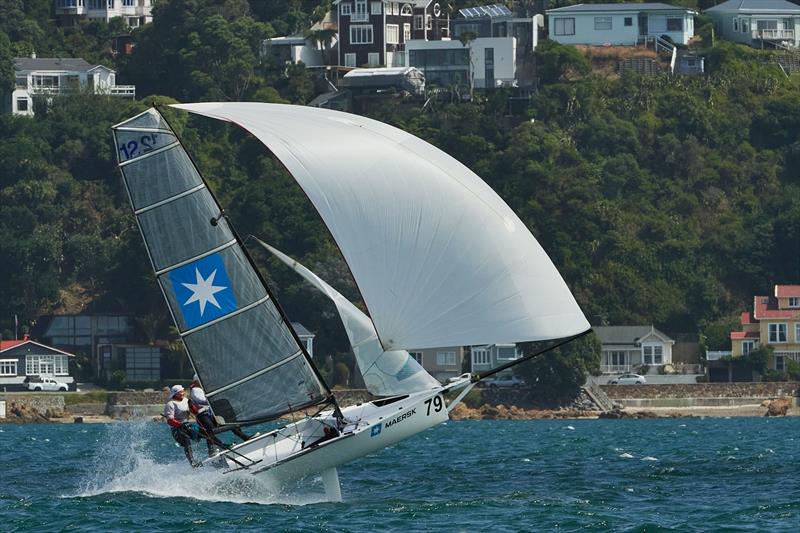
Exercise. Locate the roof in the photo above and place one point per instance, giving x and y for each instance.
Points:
(754, 6)
(766, 307)
(787, 291)
(301, 330)
(740, 335)
(592, 8)
(381, 71)
(626, 334)
(747, 318)
(490, 11)
(19, 344)
(51, 63)
(415, 3)
(9, 344)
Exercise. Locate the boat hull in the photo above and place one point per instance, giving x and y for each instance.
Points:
(301, 449)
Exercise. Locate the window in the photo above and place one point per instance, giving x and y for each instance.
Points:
(602, 23)
(128, 3)
(47, 365)
(628, 21)
(616, 358)
(736, 24)
(794, 302)
(417, 356)
(429, 23)
(142, 363)
(392, 34)
(22, 104)
(418, 22)
(394, 8)
(507, 353)
(361, 34)
(406, 11)
(653, 355)
(674, 24)
(361, 11)
(767, 24)
(406, 32)
(374, 59)
(446, 358)
(346, 9)
(349, 60)
(564, 26)
(780, 362)
(376, 8)
(777, 333)
(747, 347)
(745, 26)
(481, 356)
(8, 367)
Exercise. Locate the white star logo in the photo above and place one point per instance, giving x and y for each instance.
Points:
(203, 291)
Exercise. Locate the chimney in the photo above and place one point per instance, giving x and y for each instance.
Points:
(33, 54)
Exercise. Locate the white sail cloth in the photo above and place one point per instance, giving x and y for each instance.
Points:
(385, 373)
(438, 256)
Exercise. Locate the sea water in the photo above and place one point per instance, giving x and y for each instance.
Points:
(735, 474)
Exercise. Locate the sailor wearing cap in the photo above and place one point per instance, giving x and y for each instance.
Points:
(198, 404)
(177, 413)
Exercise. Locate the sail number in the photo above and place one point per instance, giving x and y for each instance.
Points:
(437, 402)
(134, 148)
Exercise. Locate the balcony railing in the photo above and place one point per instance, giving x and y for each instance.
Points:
(774, 35)
(127, 91)
(359, 17)
(616, 369)
(717, 355)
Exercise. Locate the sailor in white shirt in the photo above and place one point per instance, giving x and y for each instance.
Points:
(177, 413)
(199, 405)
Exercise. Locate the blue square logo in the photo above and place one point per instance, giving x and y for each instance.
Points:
(376, 430)
(203, 290)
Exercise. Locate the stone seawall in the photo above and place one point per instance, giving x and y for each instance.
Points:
(701, 390)
(37, 402)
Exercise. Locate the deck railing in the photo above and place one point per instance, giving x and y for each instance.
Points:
(774, 35)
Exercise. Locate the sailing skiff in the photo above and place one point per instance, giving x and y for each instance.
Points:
(438, 257)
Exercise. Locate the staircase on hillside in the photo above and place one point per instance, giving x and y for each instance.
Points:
(600, 398)
(640, 65)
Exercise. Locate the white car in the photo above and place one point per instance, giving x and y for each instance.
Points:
(466, 375)
(45, 384)
(507, 382)
(628, 379)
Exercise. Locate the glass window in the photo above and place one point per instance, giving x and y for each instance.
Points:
(361, 10)
(446, 358)
(602, 23)
(392, 34)
(346, 9)
(747, 347)
(406, 11)
(564, 26)
(374, 59)
(8, 367)
(735, 24)
(417, 356)
(653, 355)
(22, 104)
(406, 32)
(628, 21)
(794, 302)
(376, 8)
(780, 362)
(507, 352)
(480, 356)
(674, 24)
(418, 22)
(361, 34)
(777, 332)
(349, 60)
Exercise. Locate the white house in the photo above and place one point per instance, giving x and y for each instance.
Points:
(134, 12)
(627, 348)
(775, 23)
(620, 24)
(441, 363)
(22, 358)
(489, 356)
(305, 336)
(482, 63)
(56, 75)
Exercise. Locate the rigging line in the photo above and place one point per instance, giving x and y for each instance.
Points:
(170, 199)
(478, 377)
(255, 374)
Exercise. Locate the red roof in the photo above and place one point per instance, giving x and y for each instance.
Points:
(747, 318)
(767, 307)
(739, 335)
(4, 345)
(787, 291)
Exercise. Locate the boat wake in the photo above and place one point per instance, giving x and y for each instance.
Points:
(130, 461)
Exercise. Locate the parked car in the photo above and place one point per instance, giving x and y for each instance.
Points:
(628, 379)
(503, 382)
(36, 383)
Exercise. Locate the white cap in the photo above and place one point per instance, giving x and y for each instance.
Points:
(196, 378)
(175, 390)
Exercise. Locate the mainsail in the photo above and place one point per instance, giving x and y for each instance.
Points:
(236, 336)
(385, 373)
(438, 256)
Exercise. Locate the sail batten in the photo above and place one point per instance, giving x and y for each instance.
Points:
(233, 331)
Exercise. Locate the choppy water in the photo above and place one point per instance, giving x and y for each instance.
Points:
(628, 475)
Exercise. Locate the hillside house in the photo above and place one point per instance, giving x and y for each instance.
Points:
(487, 357)
(374, 32)
(758, 23)
(620, 24)
(22, 358)
(47, 77)
(774, 322)
(441, 363)
(627, 348)
(134, 12)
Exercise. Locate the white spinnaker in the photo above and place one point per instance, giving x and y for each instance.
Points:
(385, 373)
(438, 256)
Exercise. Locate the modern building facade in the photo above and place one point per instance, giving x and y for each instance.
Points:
(759, 23)
(133, 12)
(620, 24)
(628, 348)
(374, 32)
(48, 77)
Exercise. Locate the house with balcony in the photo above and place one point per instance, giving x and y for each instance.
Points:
(625, 24)
(374, 32)
(22, 358)
(134, 12)
(489, 356)
(628, 348)
(758, 23)
(490, 48)
(774, 322)
(48, 77)
(441, 363)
